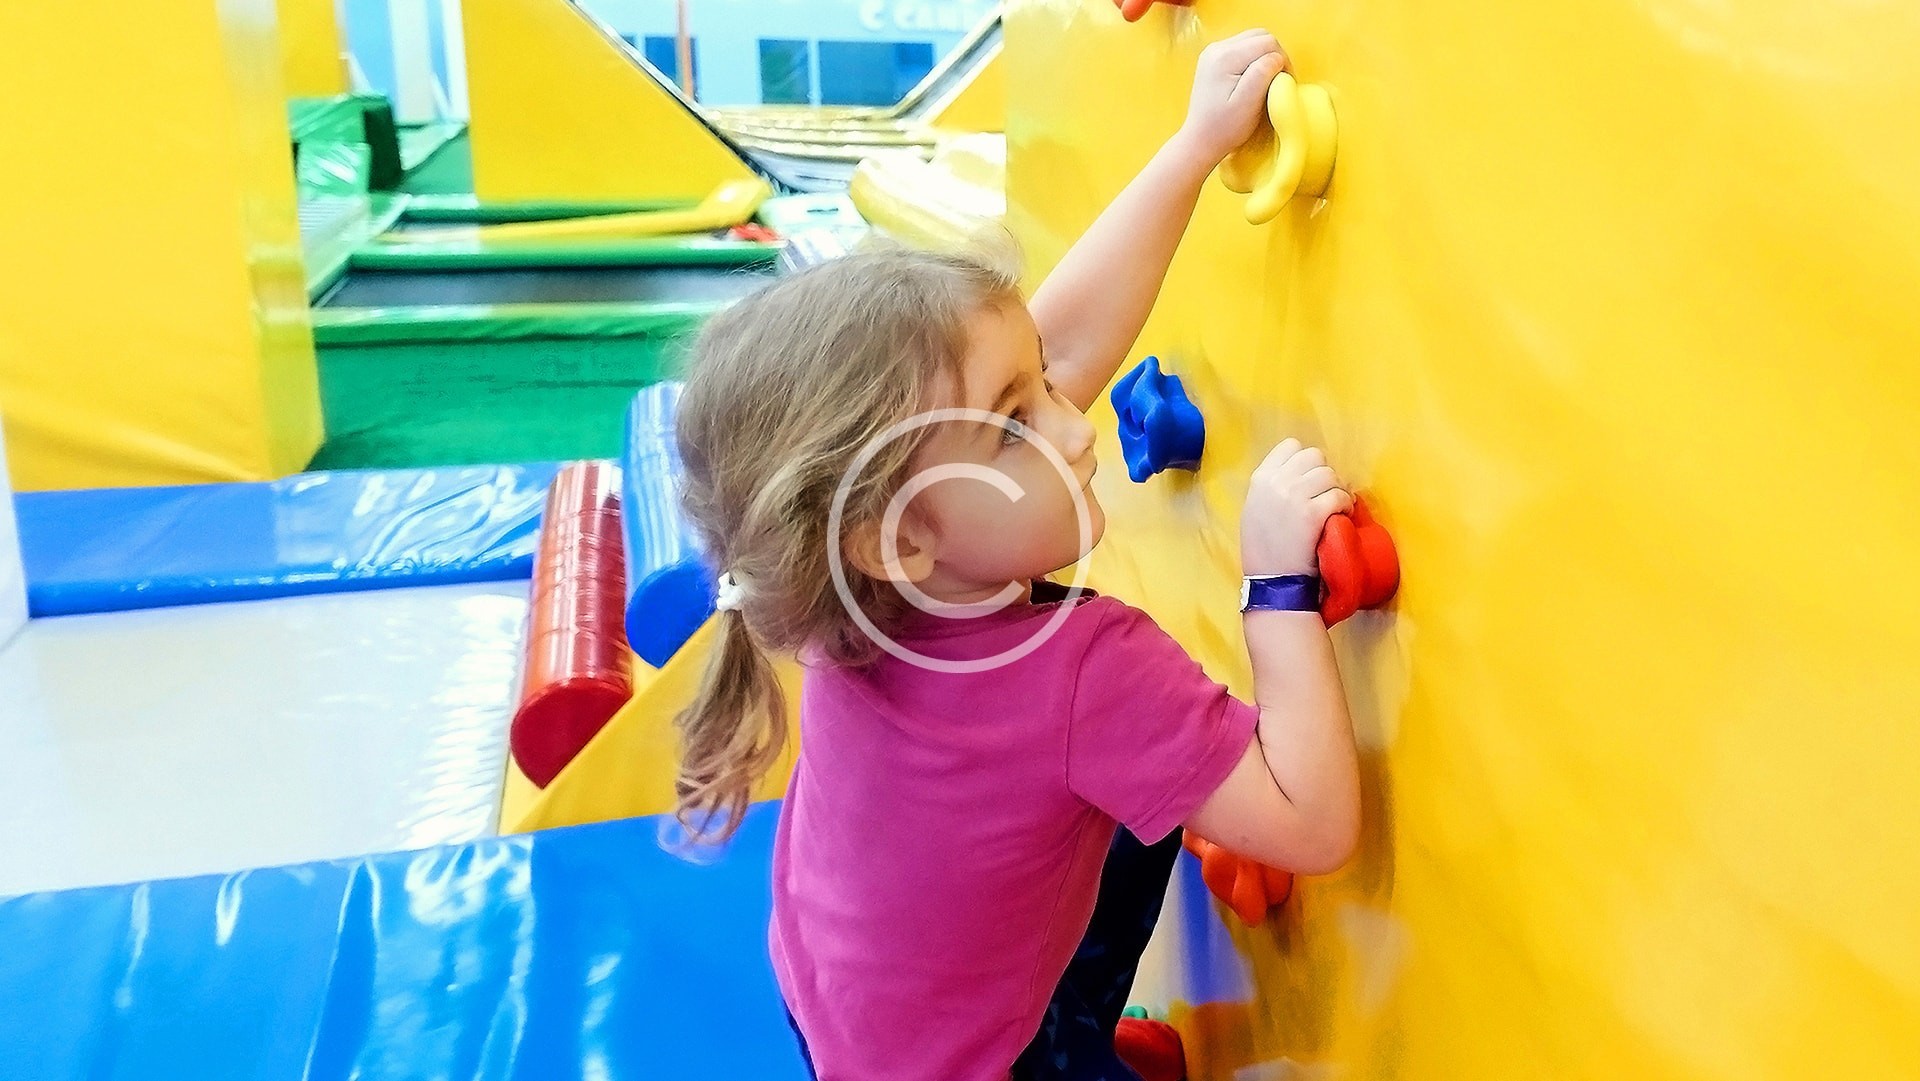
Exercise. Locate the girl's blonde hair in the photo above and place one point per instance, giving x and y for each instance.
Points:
(785, 389)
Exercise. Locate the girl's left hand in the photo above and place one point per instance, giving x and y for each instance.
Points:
(1230, 92)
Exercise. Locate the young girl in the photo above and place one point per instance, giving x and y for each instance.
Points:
(953, 900)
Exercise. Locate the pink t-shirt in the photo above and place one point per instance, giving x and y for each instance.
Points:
(942, 838)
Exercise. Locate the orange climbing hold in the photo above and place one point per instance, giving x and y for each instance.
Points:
(1132, 10)
(1249, 888)
(1358, 564)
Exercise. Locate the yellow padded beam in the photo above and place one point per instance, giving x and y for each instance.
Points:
(941, 203)
(732, 203)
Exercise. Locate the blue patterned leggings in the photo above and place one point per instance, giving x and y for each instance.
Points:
(1075, 1041)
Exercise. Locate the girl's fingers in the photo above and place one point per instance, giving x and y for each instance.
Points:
(1254, 81)
(1307, 458)
(1320, 481)
(1332, 502)
(1238, 53)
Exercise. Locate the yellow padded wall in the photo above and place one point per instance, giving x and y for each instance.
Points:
(980, 105)
(153, 324)
(560, 111)
(310, 50)
(1610, 312)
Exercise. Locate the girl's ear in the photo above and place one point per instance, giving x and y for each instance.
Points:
(909, 558)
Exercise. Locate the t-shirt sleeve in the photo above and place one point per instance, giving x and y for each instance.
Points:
(1150, 736)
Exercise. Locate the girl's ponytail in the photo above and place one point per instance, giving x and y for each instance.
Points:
(730, 736)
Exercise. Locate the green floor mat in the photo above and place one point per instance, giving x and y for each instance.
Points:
(448, 172)
(393, 406)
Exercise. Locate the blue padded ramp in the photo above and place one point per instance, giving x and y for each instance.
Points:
(579, 952)
(114, 549)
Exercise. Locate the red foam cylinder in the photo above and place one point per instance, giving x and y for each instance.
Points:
(575, 673)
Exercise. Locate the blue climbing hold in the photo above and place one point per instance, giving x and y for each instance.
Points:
(1160, 428)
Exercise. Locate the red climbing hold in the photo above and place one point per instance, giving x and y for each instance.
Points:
(1249, 888)
(1132, 10)
(1151, 1048)
(1358, 564)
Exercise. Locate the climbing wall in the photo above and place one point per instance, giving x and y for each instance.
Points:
(1608, 311)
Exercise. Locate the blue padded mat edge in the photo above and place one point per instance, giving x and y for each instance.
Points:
(115, 549)
(579, 952)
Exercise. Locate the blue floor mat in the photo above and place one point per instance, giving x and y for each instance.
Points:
(585, 952)
(115, 549)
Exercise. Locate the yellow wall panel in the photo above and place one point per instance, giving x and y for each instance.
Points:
(560, 111)
(1609, 312)
(153, 327)
(310, 49)
(980, 105)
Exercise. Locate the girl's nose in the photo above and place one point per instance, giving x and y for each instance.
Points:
(1077, 434)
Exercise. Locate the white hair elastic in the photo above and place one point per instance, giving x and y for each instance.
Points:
(731, 595)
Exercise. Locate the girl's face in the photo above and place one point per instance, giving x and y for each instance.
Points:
(987, 506)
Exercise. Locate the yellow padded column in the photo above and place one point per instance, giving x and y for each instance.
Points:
(561, 111)
(310, 50)
(153, 324)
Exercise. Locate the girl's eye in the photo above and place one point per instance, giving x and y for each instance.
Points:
(1013, 431)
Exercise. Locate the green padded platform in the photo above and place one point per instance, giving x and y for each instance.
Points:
(448, 170)
(396, 404)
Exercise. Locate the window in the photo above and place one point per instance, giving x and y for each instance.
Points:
(663, 52)
(871, 72)
(786, 71)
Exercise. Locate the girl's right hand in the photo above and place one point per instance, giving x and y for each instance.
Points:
(1230, 93)
(1292, 495)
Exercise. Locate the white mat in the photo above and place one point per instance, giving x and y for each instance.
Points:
(213, 738)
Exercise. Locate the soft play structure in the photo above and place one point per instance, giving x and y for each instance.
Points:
(471, 352)
(1601, 307)
(592, 738)
(563, 108)
(965, 92)
(943, 202)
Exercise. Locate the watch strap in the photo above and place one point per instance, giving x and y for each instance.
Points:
(1280, 593)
